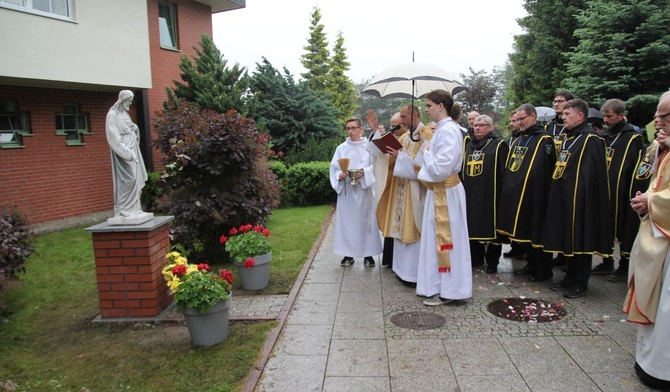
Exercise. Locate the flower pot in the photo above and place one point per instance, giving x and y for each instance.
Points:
(258, 276)
(208, 328)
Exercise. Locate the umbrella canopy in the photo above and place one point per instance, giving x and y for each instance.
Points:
(412, 80)
(545, 113)
(594, 114)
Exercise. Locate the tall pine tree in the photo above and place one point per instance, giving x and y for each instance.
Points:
(342, 90)
(635, 57)
(317, 58)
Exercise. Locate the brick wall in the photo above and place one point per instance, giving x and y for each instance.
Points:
(47, 179)
(128, 266)
(193, 19)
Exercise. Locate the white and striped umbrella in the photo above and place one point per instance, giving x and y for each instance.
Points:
(412, 80)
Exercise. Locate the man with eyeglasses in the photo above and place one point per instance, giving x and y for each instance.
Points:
(356, 231)
(578, 222)
(483, 162)
(524, 193)
(624, 150)
(555, 127)
(648, 300)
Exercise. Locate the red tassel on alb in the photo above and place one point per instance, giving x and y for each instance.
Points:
(443, 270)
(446, 246)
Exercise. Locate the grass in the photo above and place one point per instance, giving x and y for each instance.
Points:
(47, 340)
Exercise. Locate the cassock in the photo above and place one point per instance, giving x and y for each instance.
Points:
(440, 164)
(579, 220)
(625, 148)
(483, 164)
(356, 230)
(526, 179)
(648, 299)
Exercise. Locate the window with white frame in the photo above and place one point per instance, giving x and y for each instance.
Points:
(167, 25)
(13, 125)
(72, 124)
(61, 9)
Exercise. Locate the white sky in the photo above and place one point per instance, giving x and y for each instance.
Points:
(453, 34)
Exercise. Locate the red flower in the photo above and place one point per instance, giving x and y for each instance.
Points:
(248, 263)
(272, 152)
(227, 276)
(179, 270)
(233, 231)
(245, 228)
(258, 229)
(203, 267)
(266, 232)
(280, 154)
(223, 239)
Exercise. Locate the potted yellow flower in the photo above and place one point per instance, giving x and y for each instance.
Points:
(203, 296)
(251, 252)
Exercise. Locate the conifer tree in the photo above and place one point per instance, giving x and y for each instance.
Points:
(208, 81)
(342, 90)
(317, 58)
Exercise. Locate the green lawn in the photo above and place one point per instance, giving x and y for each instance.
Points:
(47, 340)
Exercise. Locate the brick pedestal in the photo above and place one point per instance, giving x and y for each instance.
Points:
(129, 262)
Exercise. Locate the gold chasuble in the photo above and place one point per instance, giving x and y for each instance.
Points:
(650, 249)
(395, 208)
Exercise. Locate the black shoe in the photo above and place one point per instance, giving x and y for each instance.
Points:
(540, 277)
(576, 291)
(369, 261)
(347, 261)
(603, 269)
(516, 255)
(558, 261)
(491, 270)
(563, 285)
(620, 275)
(406, 283)
(525, 271)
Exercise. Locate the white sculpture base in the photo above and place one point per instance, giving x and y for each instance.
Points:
(131, 220)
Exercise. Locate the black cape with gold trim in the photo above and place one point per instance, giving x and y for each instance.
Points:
(640, 183)
(579, 219)
(483, 163)
(526, 179)
(624, 148)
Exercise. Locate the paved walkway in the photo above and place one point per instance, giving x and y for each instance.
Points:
(338, 336)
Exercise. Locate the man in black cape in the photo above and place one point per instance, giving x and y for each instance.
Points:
(483, 162)
(625, 147)
(524, 193)
(578, 222)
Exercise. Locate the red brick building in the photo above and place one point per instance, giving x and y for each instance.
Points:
(62, 67)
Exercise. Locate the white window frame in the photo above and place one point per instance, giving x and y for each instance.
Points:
(28, 7)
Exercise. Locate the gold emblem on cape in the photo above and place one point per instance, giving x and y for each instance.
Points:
(562, 161)
(643, 171)
(610, 154)
(475, 164)
(558, 140)
(517, 158)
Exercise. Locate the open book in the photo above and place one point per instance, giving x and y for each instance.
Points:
(387, 139)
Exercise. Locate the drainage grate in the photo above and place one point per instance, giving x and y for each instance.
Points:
(527, 310)
(418, 320)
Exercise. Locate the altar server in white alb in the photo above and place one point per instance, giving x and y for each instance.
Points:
(445, 273)
(356, 230)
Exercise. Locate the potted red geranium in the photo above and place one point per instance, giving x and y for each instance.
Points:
(251, 252)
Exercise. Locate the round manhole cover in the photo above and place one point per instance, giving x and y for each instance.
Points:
(418, 320)
(527, 310)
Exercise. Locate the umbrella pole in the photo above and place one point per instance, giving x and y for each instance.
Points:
(411, 121)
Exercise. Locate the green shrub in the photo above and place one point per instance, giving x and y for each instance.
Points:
(16, 242)
(314, 150)
(309, 184)
(216, 177)
(151, 192)
(279, 169)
